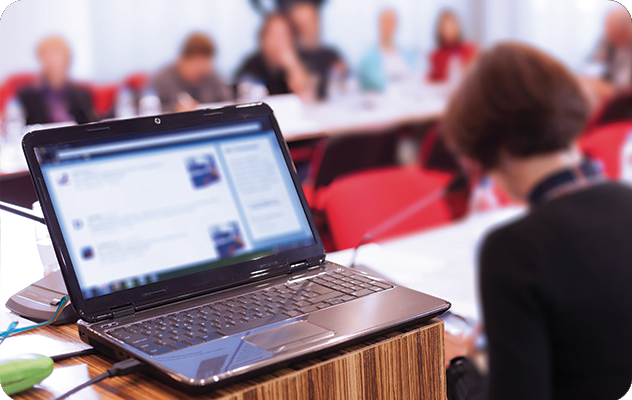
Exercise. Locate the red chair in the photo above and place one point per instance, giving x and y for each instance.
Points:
(103, 97)
(617, 109)
(336, 156)
(136, 81)
(605, 144)
(12, 84)
(358, 203)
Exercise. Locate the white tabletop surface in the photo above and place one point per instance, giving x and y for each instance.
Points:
(20, 264)
(357, 112)
(440, 262)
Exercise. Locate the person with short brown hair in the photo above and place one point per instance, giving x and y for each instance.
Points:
(55, 98)
(192, 79)
(554, 284)
(530, 104)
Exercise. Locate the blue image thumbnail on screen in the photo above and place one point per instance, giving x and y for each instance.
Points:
(203, 170)
(228, 239)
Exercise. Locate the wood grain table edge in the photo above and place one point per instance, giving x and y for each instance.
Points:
(405, 364)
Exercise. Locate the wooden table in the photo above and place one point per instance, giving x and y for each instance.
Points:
(407, 364)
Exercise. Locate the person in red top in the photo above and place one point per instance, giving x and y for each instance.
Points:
(452, 52)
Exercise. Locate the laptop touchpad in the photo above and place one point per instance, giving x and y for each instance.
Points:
(288, 336)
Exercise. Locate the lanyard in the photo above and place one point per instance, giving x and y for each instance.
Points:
(563, 183)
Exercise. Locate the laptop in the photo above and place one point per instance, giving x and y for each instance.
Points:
(185, 241)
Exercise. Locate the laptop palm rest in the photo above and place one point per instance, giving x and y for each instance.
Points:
(288, 336)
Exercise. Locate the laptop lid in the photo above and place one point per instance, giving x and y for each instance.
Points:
(147, 211)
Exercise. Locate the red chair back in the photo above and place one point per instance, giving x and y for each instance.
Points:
(605, 145)
(617, 109)
(12, 84)
(136, 82)
(103, 97)
(358, 203)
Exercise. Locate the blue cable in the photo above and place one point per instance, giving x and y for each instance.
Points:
(12, 331)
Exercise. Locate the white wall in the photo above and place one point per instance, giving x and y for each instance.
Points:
(570, 29)
(113, 38)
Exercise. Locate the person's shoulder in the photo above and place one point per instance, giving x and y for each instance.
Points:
(516, 230)
(253, 59)
(331, 53)
(469, 46)
(252, 64)
(614, 188)
(28, 91)
(165, 78)
(80, 90)
(164, 72)
(602, 197)
(372, 55)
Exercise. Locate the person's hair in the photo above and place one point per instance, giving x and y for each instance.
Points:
(516, 99)
(301, 3)
(267, 21)
(443, 15)
(198, 44)
(53, 41)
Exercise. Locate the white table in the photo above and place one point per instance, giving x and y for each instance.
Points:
(359, 112)
(20, 264)
(441, 262)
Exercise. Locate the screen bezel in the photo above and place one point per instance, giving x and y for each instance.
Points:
(153, 294)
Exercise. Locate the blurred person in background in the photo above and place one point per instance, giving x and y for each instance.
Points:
(548, 277)
(614, 55)
(453, 54)
(192, 79)
(320, 60)
(386, 63)
(55, 98)
(277, 65)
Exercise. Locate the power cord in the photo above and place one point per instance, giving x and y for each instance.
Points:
(74, 354)
(121, 368)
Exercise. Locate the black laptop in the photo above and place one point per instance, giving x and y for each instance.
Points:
(185, 242)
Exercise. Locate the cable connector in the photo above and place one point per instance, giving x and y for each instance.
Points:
(125, 367)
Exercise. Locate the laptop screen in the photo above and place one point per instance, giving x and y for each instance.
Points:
(144, 208)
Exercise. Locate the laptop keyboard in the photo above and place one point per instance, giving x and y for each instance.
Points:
(242, 313)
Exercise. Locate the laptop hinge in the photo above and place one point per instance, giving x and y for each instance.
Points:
(314, 262)
(122, 311)
(299, 265)
(306, 264)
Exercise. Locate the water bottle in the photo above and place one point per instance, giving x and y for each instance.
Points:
(336, 85)
(483, 197)
(12, 157)
(455, 72)
(15, 120)
(149, 104)
(125, 107)
(626, 160)
(250, 90)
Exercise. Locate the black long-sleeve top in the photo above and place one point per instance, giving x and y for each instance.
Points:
(556, 289)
